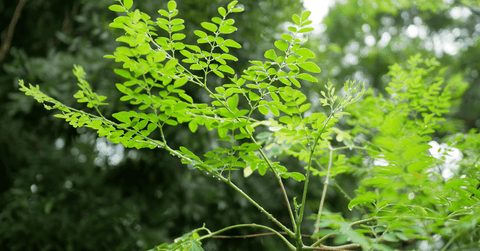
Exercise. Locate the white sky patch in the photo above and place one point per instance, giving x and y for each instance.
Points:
(384, 40)
(450, 156)
(412, 31)
(460, 12)
(114, 153)
(319, 9)
(370, 40)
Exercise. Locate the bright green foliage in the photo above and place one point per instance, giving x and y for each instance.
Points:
(262, 115)
(407, 191)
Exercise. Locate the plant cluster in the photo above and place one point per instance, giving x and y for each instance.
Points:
(261, 115)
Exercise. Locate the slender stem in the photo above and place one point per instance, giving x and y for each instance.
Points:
(337, 248)
(319, 215)
(270, 216)
(277, 176)
(196, 80)
(207, 169)
(335, 183)
(317, 243)
(450, 242)
(304, 197)
(249, 225)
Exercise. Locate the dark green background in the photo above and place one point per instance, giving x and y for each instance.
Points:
(84, 202)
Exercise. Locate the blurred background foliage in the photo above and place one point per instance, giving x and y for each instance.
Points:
(65, 189)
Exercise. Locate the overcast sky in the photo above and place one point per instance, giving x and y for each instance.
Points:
(319, 8)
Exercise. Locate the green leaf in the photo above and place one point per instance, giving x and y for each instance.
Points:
(151, 127)
(122, 88)
(237, 10)
(171, 122)
(123, 117)
(227, 29)
(296, 19)
(231, 43)
(231, 5)
(232, 102)
(192, 126)
(360, 200)
(307, 77)
(305, 30)
(200, 34)
(285, 81)
(297, 176)
(228, 57)
(170, 64)
(222, 11)
(274, 96)
(209, 26)
(310, 66)
(304, 107)
(347, 230)
(79, 94)
(141, 124)
(178, 36)
(180, 82)
(218, 73)
(60, 116)
(178, 27)
(270, 54)
(177, 21)
(128, 4)
(222, 132)
(274, 110)
(262, 169)
(263, 110)
(286, 120)
(281, 45)
(287, 37)
(305, 15)
(295, 82)
(226, 68)
(144, 49)
(196, 246)
(172, 5)
(159, 56)
(253, 96)
(304, 52)
(116, 8)
(186, 97)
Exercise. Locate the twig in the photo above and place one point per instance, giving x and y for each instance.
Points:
(253, 235)
(337, 248)
(11, 29)
(211, 235)
(324, 191)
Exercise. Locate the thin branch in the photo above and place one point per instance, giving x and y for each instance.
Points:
(193, 77)
(11, 29)
(270, 216)
(319, 215)
(335, 182)
(337, 248)
(211, 235)
(253, 235)
(317, 243)
(307, 178)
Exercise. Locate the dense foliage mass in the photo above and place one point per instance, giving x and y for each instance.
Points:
(261, 117)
